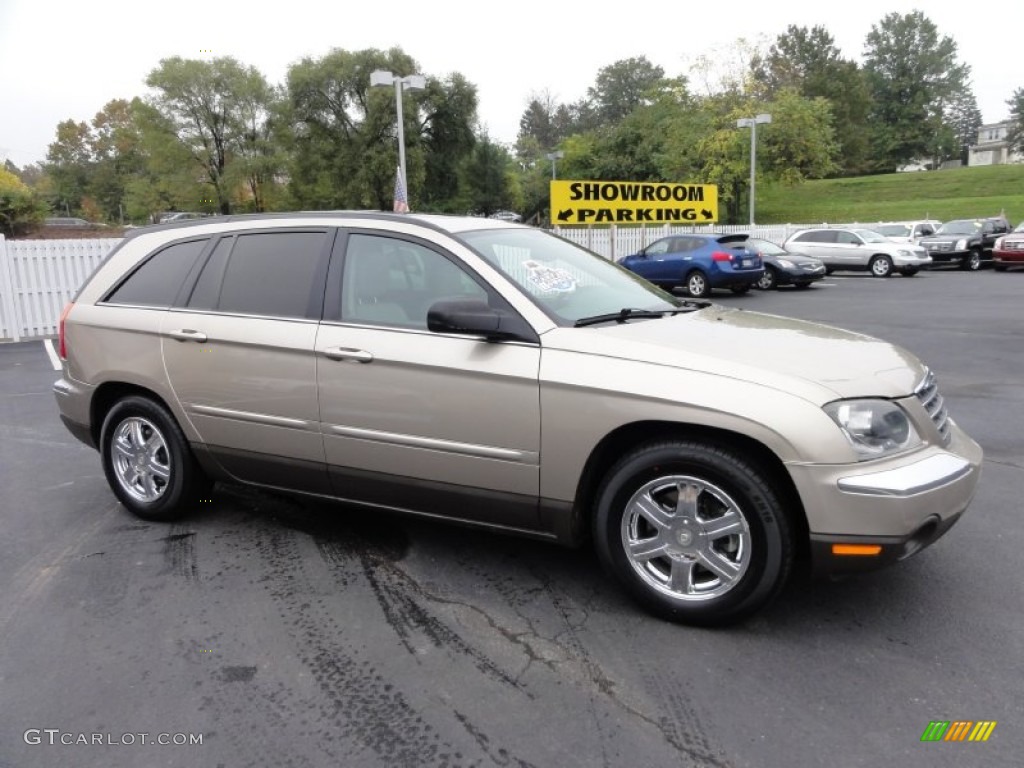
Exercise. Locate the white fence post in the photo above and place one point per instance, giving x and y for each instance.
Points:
(10, 322)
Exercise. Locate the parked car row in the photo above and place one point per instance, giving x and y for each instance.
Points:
(700, 263)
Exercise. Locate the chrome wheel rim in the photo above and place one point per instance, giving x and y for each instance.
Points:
(974, 262)
(696, 285)
(880, 267)
(142, 462)
(686, 538)
(766, 281)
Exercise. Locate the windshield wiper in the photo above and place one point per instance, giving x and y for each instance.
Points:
(629, 313)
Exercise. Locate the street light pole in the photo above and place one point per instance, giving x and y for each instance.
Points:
(383, 78)
(553, 156)
(751, 123)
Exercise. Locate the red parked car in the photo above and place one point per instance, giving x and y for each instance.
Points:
(1008, 250)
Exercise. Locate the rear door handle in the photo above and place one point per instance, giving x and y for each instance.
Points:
(348, 353)
(187, 334)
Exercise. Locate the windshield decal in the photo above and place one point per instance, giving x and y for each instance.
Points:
(549, 279)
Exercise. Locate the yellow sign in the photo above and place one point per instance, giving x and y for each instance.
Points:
(632, 202)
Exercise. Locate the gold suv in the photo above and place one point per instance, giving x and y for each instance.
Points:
(492, 374)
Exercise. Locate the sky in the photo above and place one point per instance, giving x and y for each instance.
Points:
(65, 59)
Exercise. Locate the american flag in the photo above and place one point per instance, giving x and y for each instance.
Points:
(401, 199)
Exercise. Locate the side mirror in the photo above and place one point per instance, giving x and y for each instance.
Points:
(473, 317)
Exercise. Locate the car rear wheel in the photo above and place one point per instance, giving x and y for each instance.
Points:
(697, 284)
(881, 266)
(971, 262)
(147, 460)
(768, 280)
(693, 532)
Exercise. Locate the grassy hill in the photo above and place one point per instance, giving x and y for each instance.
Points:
(948, 194)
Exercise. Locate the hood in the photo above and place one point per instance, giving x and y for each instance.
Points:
(815, 361)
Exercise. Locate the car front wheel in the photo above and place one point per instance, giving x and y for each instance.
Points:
(881, 266)
(909, 271)
(697, 285)
(971, 262)
(147, 460)
(693, 532)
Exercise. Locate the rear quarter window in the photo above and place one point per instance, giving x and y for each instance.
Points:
(156, 281)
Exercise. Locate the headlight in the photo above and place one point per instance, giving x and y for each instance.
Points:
(905, 254)
(961, 245)
(785, 263)
(998, 244)
(875, 428)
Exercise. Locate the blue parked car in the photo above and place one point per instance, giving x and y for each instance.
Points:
(697, 263)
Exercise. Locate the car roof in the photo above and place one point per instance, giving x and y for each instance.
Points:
(446, 223)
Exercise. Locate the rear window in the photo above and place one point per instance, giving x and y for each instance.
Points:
(156, 281)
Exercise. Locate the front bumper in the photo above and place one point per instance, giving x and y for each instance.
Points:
(948, 257)
(883, 511)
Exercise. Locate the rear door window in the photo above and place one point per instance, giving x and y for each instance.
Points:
(275, 274)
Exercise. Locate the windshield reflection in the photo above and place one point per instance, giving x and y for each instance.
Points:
(566, 281)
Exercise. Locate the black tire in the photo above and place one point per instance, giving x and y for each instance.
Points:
(909, 271)
(803, 286)
(739, 290)
(829, 270)
(769, 280)
(972, 261)
(754, 556)
(697, 285)
(164, 483)
(880, 266)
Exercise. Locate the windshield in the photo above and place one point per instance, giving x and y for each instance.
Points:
(868, 236)
(959, 227)
(565, 280)
(893, 230)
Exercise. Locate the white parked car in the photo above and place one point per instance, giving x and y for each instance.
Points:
(859, 249)
(907, 231)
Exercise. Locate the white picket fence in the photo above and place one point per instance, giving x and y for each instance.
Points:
(38, 277)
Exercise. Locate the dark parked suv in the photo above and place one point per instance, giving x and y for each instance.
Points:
(965, 242)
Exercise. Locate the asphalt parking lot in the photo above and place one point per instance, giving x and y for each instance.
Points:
(288, 633)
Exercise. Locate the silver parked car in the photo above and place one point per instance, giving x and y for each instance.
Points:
(859, 249)
(496, 375)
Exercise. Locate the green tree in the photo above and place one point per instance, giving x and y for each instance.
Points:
(913, 73)
(1015, 136)
(117, 156)
(448, 110)
(809, 61)
(216, 109)
(20, 208)
(962, 121)
(623, 86)
(69, 164)
(486, 174)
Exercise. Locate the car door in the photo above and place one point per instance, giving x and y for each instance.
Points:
(239, 355)
(819, 244)
(655, 264)
(420, 420)
(848, 250)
